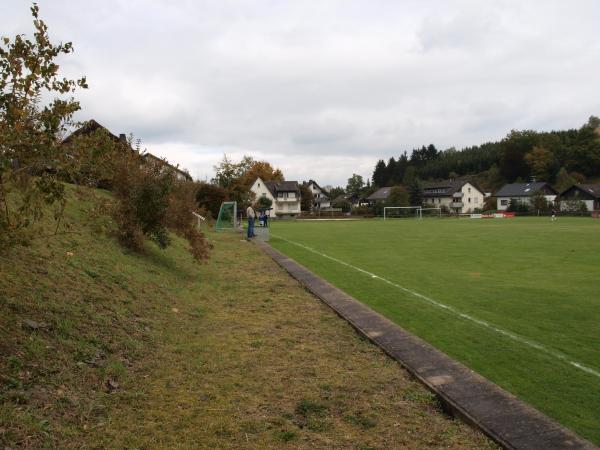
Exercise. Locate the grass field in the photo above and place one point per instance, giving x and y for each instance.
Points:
(152, 350)
(517, 300)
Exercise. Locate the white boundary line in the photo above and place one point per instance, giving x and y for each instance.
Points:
(483, 323)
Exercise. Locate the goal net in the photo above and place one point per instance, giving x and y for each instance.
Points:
(227, 217)
(431, 212)
(402, 212)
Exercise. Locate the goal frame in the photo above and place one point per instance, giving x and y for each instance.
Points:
(418, 211)
(218, 224)
(438, 215)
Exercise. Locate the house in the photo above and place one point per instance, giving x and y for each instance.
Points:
(321, 198)
(523, 193)
(91, 126)
(380, 195)
(284, 195)
(182, 175)
(589, 194)
(459, 196)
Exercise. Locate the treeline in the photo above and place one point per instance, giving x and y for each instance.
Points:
(559, 157)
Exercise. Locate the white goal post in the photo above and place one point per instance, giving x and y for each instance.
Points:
(397, 212)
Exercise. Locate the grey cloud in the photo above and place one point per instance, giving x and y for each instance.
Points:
(324, 89)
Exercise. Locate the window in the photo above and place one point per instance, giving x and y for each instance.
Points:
(469, 189)
(258, 184)
(469, 200)
(264, 194)
(504, 202)
(476, 200)
(439, 200)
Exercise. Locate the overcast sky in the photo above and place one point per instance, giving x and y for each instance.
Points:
(323, 89)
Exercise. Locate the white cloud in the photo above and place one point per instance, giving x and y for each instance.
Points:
(324, 89)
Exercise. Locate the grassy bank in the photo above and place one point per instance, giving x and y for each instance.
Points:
(102, 348)
(516, 300)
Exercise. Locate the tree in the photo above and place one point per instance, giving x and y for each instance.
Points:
(515, 146)
(210, 196)
(355, 184)
(264, 202)
(564, 180)
(380, 174)
(398, 197)
(415, 192)
(261, 169)
(542, 163)
(336, 192)
(306, 198)
(30, 130)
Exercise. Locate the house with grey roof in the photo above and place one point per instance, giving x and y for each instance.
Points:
(588, 194)
(380, 195)
(459, 196)
(284, 195)
(523, 193)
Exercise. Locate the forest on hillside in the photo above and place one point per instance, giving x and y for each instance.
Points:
(559, 157)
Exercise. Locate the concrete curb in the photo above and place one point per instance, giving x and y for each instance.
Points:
(463, 393)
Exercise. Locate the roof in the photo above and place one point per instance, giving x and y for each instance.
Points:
(176, 169)
(591, 189)
(88, 128)
(524, 189)
(442, 188)
(380, 194)
(317, 185)
(282, 186)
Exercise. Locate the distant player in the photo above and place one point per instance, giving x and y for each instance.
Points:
(553, 214)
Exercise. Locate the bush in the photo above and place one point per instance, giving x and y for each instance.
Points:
(210, 197)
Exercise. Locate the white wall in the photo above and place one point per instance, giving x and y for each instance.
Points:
(290, 205)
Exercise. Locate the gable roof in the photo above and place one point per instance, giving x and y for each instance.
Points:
(91, 126)
(380, 194)
(590, 189)
(524, 189)
(319, 187)
(445, 188)
(282, 186)
(182, 173)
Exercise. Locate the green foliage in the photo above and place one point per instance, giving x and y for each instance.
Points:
(355, 184)
(306, 198)
(398, 197)
(210, 196)
(30, 154)
(264, 202)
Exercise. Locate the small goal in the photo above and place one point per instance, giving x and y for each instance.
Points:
(431, 212)
(226, 221)
(402, 212)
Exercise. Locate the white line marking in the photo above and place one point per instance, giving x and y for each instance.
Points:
(454, 311)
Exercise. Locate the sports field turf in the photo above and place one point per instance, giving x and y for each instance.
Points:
(517, 300)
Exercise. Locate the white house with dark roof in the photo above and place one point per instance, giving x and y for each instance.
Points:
(284, 195)
(589, 194)
(380, 195)
(459, 196)
(321, 198)
(523, 193)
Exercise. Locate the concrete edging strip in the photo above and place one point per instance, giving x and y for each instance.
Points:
(500, 415)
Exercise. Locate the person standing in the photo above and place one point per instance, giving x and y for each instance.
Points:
(553, 214)
(251, 215)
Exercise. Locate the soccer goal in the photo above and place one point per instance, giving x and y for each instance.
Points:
(402, 212)
(226, 221)
(431, 212)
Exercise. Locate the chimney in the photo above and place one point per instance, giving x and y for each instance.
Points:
(122, 137)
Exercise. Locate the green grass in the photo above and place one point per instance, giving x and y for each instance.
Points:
(152, 350)
(528, 276)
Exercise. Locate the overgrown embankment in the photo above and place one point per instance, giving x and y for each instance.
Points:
(103, 348)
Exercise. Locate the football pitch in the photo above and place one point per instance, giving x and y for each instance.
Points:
(516, 300)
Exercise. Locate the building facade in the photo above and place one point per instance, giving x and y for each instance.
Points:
(587, 194)
(523, 193)
(458, 196)
(284, 196)
(321, 198)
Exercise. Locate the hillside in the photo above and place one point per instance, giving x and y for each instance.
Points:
(103, 348)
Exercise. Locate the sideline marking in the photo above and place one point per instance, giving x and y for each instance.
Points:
(455, 311)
